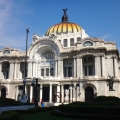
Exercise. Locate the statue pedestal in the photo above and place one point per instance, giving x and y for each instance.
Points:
(66, 99)
(112, 93)
(23, 98)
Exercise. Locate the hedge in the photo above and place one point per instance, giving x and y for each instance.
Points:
(90, 109)
(85, 116)
(9, 115)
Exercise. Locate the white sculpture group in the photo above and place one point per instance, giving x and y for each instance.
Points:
(23, 97)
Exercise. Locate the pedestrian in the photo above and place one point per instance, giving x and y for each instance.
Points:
(41, 103)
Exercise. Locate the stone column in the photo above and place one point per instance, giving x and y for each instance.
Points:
(74, 67)
(78, 67)
(97, 66)
(29, 70)
(41, 88)
(34, 71)
(18, 70)
(11, 71)
(56, 68)
(31, 93)
(15, 71)
(50, 93)
(81, 68)
(62, 94)
(71, 97)
(60, 68)
(58, 93)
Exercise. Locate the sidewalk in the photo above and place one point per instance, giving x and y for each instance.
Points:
(16, 108)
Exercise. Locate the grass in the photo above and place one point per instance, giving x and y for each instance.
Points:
(43, 116)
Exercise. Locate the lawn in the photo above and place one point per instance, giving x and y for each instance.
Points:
(43, 116)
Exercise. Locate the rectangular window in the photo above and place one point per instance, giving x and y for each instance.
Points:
(51, 71)
(47, 71)
(91, 70)
(22, 74)
(42, 72)
(85, 70)
(65, 72)
(71, 42)
(69, 71)
(65, 42)
(7, 74)
(90, 59)
(85, 60)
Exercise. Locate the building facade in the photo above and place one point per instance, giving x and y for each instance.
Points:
(70, 66)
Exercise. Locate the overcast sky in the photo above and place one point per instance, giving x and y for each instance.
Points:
(99, 18)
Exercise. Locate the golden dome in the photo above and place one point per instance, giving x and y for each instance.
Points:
(64, 27)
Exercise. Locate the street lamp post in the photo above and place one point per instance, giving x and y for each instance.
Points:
(25, 75)
(35, 83)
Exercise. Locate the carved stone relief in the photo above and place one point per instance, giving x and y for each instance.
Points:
(47, 55)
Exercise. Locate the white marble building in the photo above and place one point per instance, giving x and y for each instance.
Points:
(70, 65)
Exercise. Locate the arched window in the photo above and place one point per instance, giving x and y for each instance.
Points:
(3, 93)
(65, 42)
(6, 52)
(87, 43)
(71, 42)
(78, 39)
(88, 65)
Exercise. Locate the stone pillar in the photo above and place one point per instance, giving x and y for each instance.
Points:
(29, 70)
(31, 93)
(0, 69)
(26, 89)
(103, 66)
(60, 68)
(116, 67)
(74, 67)
(11, 71)
(44, 72)
(71, 96)
(50, 93)
(58, 93)
(17, 92)
(81, 68)
(62, 94)
(41, 88)
(74, 93)
(97, 66)
(56, 68)
(78, 67)
(34, 69)
(77, 93)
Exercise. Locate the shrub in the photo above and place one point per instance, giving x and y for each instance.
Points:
(9, 115)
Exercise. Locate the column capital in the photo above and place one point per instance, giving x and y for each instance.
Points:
(60, 59)
(11, 62)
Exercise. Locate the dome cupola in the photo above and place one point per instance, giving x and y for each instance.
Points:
(64, 27)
